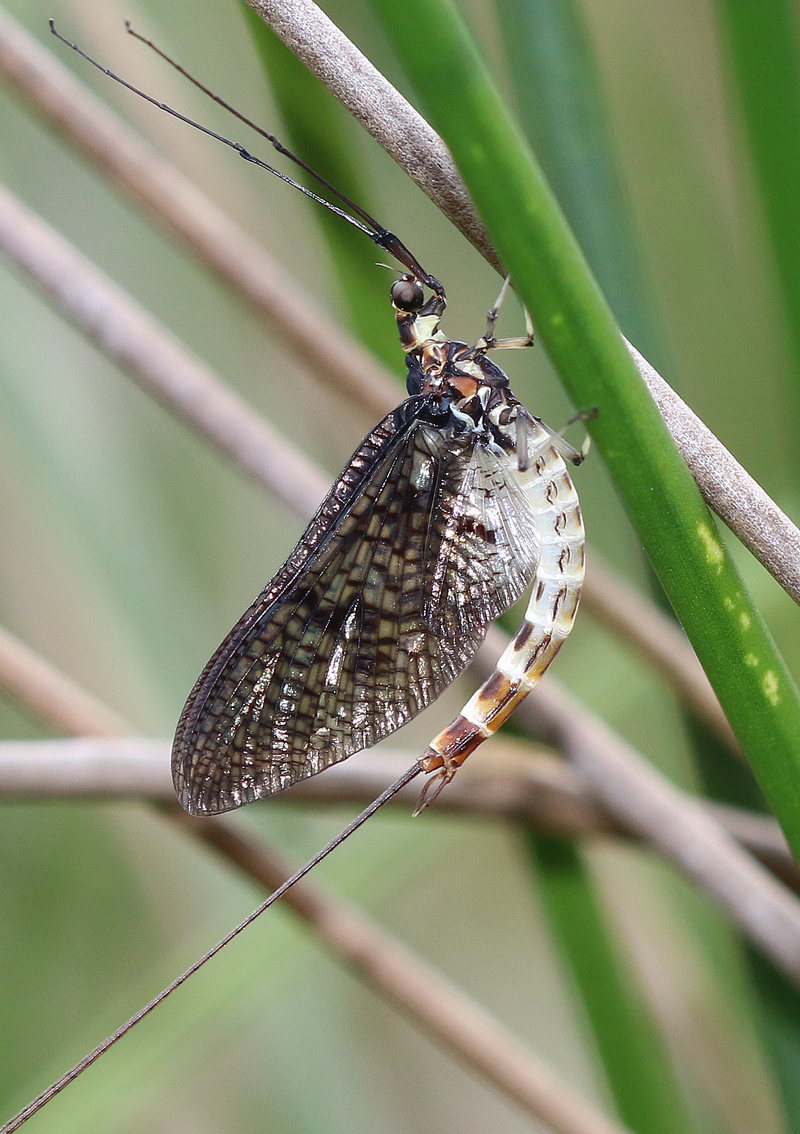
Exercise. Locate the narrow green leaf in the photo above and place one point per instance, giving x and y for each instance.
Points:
(780, 1003)
(763, 58)
(576, 326)
(772, 1001)
(636, 1061)
(562, 110)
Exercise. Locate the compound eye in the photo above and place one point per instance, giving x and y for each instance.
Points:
(407, 295)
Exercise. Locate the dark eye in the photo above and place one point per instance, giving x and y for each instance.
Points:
(407, 295)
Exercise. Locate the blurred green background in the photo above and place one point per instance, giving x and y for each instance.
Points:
(128, 551)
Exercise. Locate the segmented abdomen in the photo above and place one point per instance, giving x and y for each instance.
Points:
(548, 619)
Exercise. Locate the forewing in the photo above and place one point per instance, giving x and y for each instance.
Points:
(488, 546)
(339, 650)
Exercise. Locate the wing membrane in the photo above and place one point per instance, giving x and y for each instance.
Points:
(489, 545)
(379, 607)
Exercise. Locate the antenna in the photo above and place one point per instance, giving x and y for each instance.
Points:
(375, 231)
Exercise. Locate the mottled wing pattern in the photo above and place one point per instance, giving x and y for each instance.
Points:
(345, 644)
(489, 546)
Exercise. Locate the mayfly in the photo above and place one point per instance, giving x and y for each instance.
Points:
(453, 505)
(440, 520)
(444, 515)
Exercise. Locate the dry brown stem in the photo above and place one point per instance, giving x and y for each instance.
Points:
(676, 824)
(418, 991)
(504, 780)
(47, 694)
(154, 358)
(637, 620)
(393, 122)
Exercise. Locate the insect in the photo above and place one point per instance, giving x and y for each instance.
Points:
(453, 505)
(440, 520)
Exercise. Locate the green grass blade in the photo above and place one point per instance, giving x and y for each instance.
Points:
(737, 652)
(780, 1011)
(775, 1000)
(562, 110)
(636, 1061)
(763, 57)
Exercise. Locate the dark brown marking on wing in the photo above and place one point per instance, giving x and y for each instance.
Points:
(345, 644)
(488, 546)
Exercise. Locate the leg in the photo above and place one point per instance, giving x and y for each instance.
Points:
(567, 451)
(489, 342)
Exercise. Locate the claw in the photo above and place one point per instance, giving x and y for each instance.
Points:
(439, 780)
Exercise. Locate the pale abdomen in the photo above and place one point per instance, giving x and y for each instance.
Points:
(548, 619)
